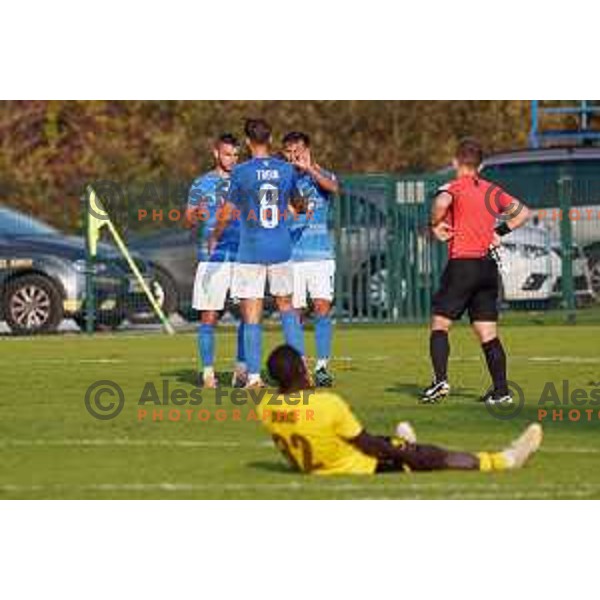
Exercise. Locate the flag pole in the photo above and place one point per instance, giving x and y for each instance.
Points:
(93, 233)
(90, 268)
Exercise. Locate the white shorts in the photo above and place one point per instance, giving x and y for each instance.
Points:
(213, 281)
(314, 278)
(249, 280)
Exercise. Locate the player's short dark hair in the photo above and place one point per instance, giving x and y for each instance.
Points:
(469, 153)
(258, 131)
(285, 366)
(228, 139)
(293, 137)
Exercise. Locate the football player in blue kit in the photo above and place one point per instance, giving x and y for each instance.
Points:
(215, 267)
(313, 254)
(259, 197)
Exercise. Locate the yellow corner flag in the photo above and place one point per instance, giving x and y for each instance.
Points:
(98, 218)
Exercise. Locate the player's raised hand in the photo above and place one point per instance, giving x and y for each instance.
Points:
(442, 231)
(302, 161)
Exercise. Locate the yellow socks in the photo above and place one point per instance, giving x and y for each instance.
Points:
(493, 461)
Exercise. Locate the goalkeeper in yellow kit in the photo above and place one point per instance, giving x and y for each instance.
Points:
(325, 438)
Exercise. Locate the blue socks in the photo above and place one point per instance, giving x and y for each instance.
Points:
(323, 335)
(292, 330)
(206, 344)
(253, 347)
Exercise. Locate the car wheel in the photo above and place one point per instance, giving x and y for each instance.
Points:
(371, 289)
(32, 305)
(378, 285)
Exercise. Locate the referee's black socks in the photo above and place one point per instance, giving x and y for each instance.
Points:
(439, 349)
(495, 358)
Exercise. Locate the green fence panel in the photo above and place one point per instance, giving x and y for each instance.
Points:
(361, 233)
(388, 264)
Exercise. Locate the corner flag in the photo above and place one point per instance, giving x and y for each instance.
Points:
(97, 219)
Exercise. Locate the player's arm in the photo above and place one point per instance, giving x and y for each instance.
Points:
(224, 217)
(298, 205)
(515, 214)
(439, 211)
(192, 209)
(326, 181)
(376, 446)
(227, 212)
(349, 428)
(191, 216)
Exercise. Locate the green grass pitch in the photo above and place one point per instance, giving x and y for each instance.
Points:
(52, 448)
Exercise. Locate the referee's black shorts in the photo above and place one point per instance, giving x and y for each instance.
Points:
(468, 284)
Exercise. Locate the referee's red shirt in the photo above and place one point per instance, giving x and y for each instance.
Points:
(476, 206)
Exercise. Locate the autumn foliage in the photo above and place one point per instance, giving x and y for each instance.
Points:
(49, 149)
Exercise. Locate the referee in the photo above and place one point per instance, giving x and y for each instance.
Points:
(465, 214)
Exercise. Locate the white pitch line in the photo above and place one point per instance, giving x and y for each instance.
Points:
(68, 361)
(535, 359)
(570, 450)
(120, 442)
(100, 442)
(337, 359)
(565, 359)
(490, 490)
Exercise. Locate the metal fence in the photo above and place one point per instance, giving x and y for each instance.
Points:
(387, 263)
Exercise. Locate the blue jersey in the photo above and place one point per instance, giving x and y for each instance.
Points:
(207, 196)
(261, 190)
(311, 235)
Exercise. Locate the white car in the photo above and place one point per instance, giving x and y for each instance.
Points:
(532, 267)
(533, 176)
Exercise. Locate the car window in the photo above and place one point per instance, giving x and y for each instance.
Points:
(15, 223)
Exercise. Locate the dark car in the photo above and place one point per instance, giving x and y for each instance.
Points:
(42, 277)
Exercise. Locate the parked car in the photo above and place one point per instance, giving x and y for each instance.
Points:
(532, 175)
(42, 277)
(532, 272)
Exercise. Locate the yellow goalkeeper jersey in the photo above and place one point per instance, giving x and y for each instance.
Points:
(313, 436)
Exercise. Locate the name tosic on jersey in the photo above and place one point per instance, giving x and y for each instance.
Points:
(207, 195)
(261, 190)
